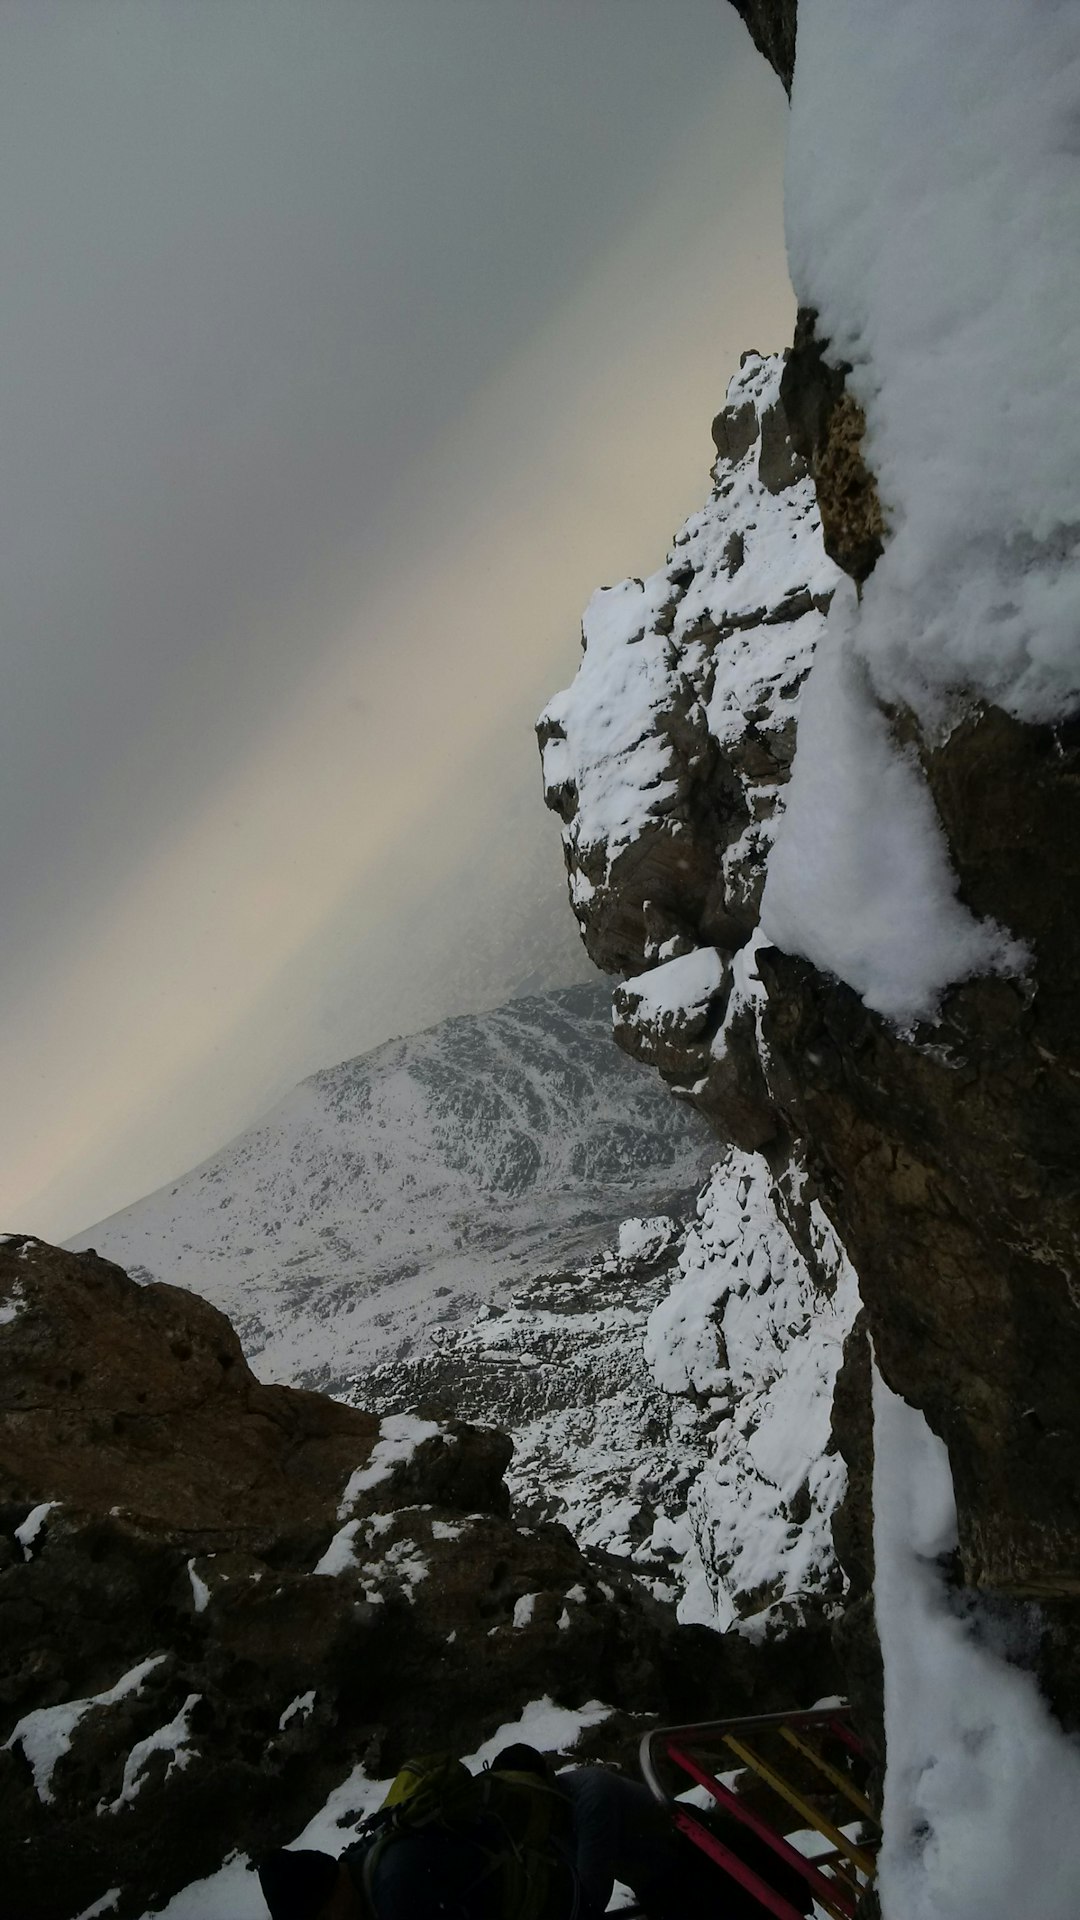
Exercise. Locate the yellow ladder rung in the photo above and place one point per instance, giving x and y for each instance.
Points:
(840, 1780)
(809, 1813)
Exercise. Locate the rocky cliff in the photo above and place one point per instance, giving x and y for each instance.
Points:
(222, 1603)
(933, 1119)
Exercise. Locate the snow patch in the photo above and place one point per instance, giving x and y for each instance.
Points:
(106, 1904)
(298, 1708)
(28, 1532)
(674, 991)
(543, 1725)
(399, 1436)
(981, 1784)
(524, 1609)
(859, 880)
(45, 1735)
(200, 1592)
(174, 1739)
(11, 1308)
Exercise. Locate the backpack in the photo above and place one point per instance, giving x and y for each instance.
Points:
(518, 1823)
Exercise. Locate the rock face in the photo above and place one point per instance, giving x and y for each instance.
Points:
(217, 1597)
(944, 1157)
(772, 28)
(666, 759)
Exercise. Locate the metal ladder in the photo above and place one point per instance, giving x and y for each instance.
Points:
(837, 1877)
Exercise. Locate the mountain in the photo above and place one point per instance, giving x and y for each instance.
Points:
(670, 1401)
(396, 1193)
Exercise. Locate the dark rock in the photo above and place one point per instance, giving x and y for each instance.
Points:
(779, 462)
(772, 29)
(855, 1632)
(827, 426)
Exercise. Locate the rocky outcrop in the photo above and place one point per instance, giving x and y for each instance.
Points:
(218, 1597)
(772, 29)
(827, 427)
(667, 758)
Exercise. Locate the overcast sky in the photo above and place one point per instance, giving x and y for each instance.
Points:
(344, 348)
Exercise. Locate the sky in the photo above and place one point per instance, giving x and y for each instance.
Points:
(345, 347)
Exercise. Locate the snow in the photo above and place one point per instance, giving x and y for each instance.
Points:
(543, 1725)
(13, 1305)
(399, 1436)
(200, 1592)
(45, 1735)
(932, 187)
(105, 1905)
(339, 1556)
(605, 737)
(401, 1565)
(675, 990)
(748, 1324)
(599, 744)
(931, 202)
(396, 1193)
(300, 1707)
(173, 1738)
(859, 880)
(28, 1532)
(981, 1785)
(646, 1239)
(524, 1609)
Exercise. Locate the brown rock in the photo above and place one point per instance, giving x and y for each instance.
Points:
(827, 427)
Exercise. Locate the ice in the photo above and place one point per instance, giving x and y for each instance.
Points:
(981, 1785)
(646, 1239)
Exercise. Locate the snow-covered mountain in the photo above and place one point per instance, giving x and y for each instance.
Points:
(670, 1401)
(394, 1194)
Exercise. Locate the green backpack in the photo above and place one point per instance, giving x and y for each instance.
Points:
(521, 1822)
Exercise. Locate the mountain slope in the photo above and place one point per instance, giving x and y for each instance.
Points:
(396, 1192)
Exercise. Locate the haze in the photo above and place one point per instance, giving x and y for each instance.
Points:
(344, 348)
